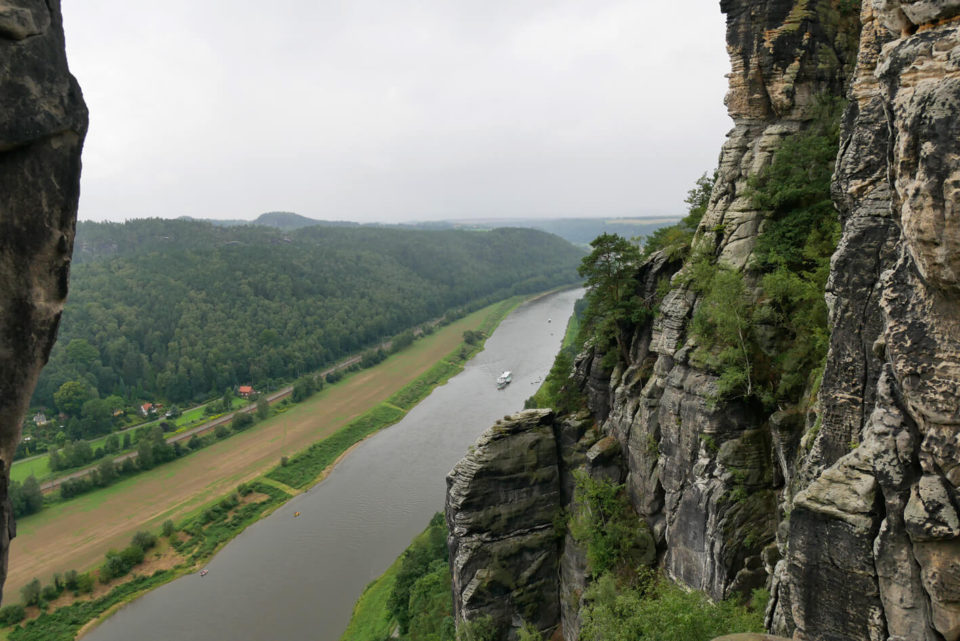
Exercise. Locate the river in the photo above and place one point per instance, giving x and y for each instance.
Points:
(297, 579)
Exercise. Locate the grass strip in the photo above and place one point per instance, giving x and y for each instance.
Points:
(211, 527)
(304, 468)
(371, 620)
(419, 389)
(208, 530)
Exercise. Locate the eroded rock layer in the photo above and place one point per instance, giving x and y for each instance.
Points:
(41, 135)
(885, 514)
(847, 510)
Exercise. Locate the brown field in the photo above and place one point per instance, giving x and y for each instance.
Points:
(77, 533)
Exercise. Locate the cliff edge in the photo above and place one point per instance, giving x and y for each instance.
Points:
(41, 136)
(840, 497)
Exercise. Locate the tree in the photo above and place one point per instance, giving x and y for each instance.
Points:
(724, 324)
(241, 421)
(226, 403)
(698, 199)
(71, 396)
(81, 352)
(26, 498)
(675, 240)
(145, 457)
(611, 275)
(112, 444)
(97, 417)
(32, 496)
(263, 407)
(30, 593)
(107, 470)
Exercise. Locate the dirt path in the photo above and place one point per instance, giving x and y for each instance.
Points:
(78, 533)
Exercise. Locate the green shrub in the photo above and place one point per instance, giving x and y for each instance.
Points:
(615, 537)
(85, 583)
(481, 628)
(658, 610)
(30, 593)
(419, 559)
(241, 421)
(49, 592)
(12, 614)
(144, 540)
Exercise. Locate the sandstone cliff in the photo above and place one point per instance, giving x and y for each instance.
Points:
(41, 135)
(846, 504)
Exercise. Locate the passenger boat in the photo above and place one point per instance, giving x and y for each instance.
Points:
(504, 379)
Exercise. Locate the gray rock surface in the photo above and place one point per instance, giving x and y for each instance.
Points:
(848, 513)
(891, 386)
(502, 502)
(41, 135)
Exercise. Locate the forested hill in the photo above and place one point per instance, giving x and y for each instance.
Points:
(180, 309)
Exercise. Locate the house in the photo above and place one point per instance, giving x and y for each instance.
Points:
(40, 419)
(146, 409)
(245, 391)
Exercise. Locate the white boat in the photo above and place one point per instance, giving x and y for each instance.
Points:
(504, 379)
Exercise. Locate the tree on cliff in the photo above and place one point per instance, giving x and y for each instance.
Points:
(613, 304)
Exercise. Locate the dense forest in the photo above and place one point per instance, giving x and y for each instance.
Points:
(181, 310)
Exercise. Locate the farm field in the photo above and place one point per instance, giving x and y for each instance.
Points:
(76, 534)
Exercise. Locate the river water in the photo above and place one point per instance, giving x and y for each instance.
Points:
(297, 579)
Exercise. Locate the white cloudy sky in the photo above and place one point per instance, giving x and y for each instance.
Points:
(389, 110)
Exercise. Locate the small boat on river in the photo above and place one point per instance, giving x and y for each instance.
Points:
(504, 379)
(204, 571)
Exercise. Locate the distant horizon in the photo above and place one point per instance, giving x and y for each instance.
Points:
(646, 218)
(381, 112)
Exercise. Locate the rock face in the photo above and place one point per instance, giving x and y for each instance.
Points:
(505, 507)
(710, 479)
(888, 509)
(504, 552)
(41, 135)
(848, 513)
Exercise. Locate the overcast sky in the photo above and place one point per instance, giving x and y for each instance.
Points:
(396, 110)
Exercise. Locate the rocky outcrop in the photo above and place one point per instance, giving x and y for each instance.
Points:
(41, 135)
(502, 501)
(510, 555)
(848, 510)
(888, 508)
(709, 479)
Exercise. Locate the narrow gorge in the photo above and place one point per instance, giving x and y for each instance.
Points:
(836, 488)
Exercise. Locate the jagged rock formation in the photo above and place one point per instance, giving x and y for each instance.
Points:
(846, 510)
(504, 553)
(783, 55)
(504, 512)
(889, 507)
(41, 135)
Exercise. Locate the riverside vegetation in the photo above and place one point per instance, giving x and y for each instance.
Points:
(177, 311)
(201, 534)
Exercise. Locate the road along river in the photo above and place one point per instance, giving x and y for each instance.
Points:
(298, 578)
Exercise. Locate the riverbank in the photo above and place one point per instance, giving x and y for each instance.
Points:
(224, 464)
(354, 524)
